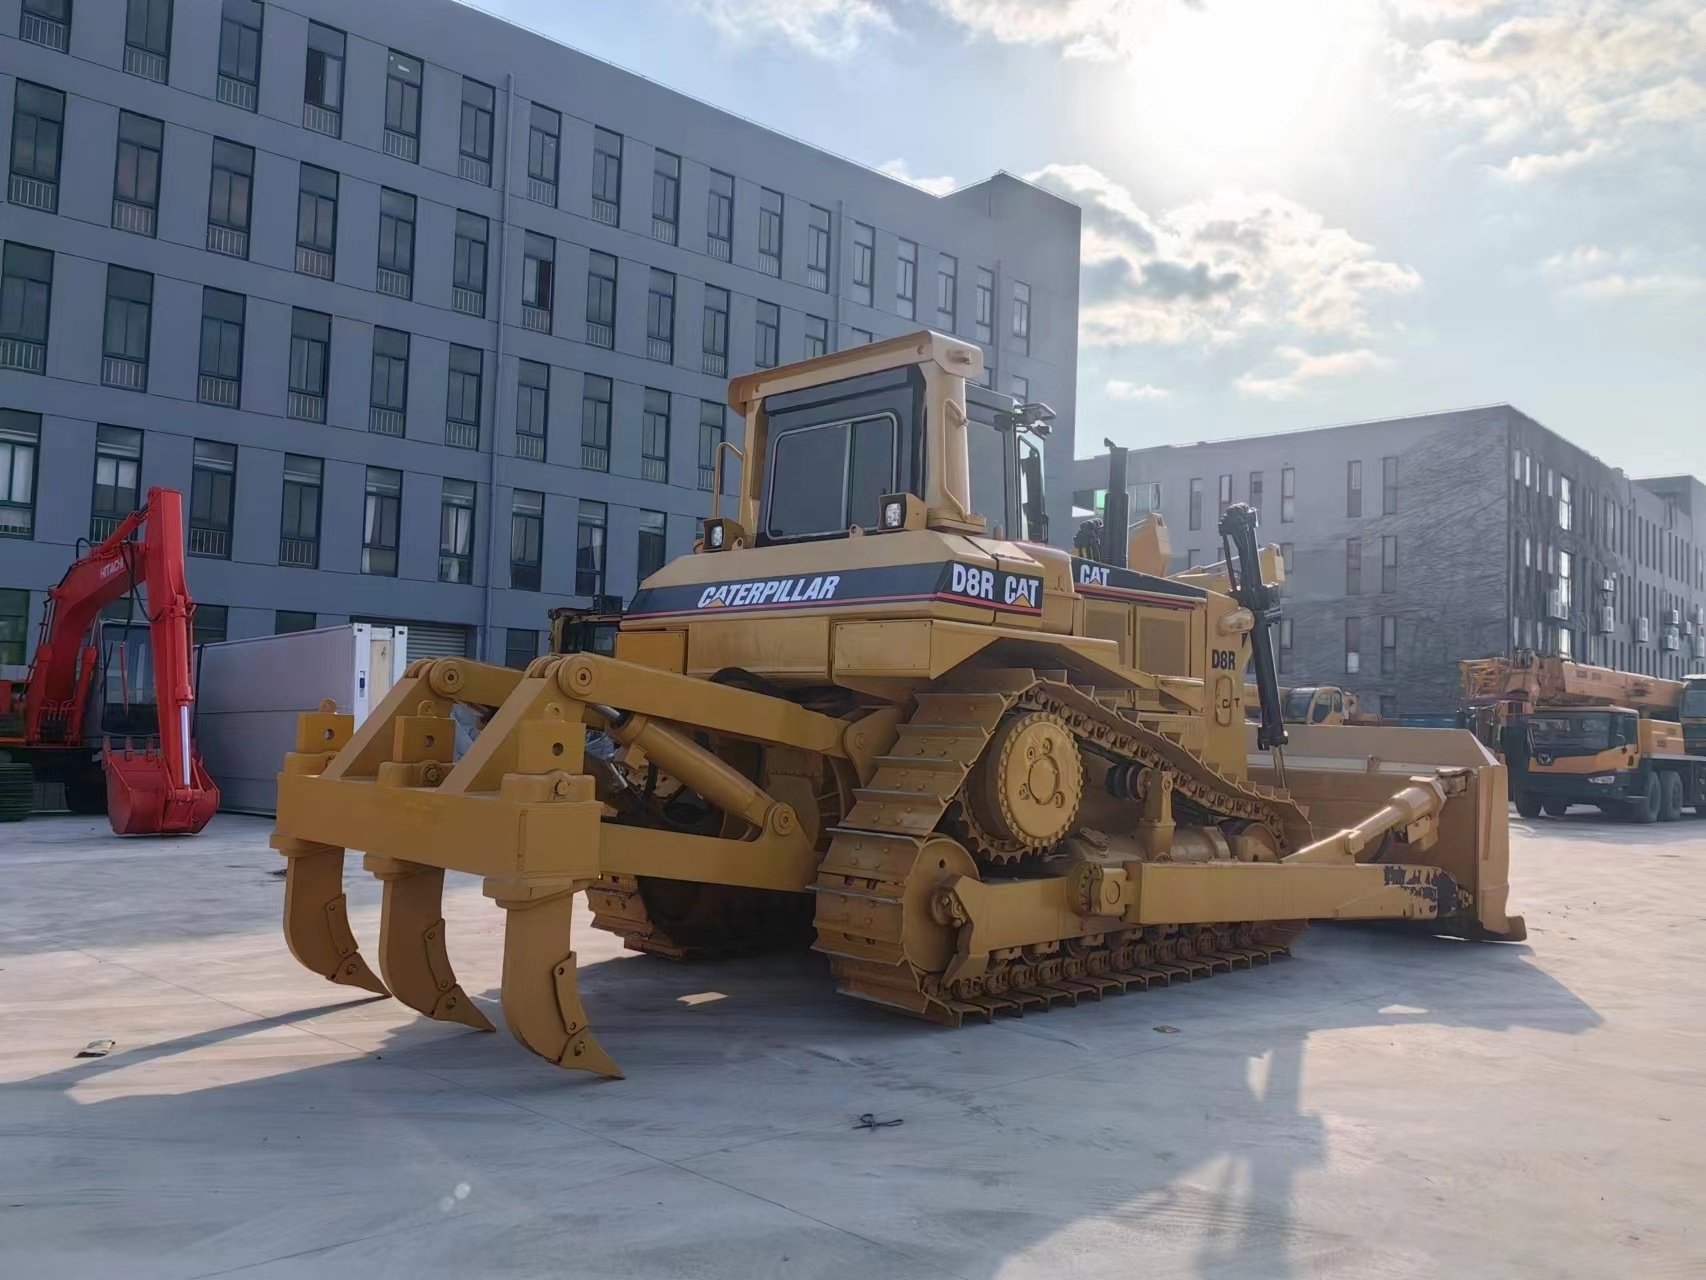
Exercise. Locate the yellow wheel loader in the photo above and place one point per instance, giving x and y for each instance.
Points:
(979, 774)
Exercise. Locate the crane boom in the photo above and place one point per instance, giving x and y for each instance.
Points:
(1529, 681)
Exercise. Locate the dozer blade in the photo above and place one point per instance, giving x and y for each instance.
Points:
(412, 953)
(316, 914)
(541, 993)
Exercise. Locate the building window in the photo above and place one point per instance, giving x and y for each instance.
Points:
(240, 53)
(1566, 504)
(601, 300)
(221, 366)
(1288, 494)
(207, 624)
(1389, 486)
(1566, 565)
(526, 538)
(1196, 504)
(1389, 564)
(715, 343)
(712, 432)
(26, 290)
(136, 176)
(1353, 646)
(148, 38)
(817, 336)
(1288, 558)
(474, 141)
(595, 423)
(532, 409)
(14, 626)
(863, 338)
(289, 621)
(589, 549)
(125, 333)
(666, 196)
(660, 317)
(544, 144)
(118, 489)
(38, 131)
(1388, 706)
(323, 89)
(1285, 646)
(654, 436)
(769, 231)
(720, 215)
(1022, 316)
(817, 247)
(456, 532)
(1256, 491)
(521, 646)
(47, 23)
(317, 222)
(213, 482)
(769, 335)
(1225, 496)
(985, 306)
(906, 279)
(380, 518)
(1020, 388)
(1353, 488)
(402, 106)
(388, 392)
(1193, 558)
(462, 397)
(310, 349)
(396, 243)
(1566, 649)
(1389, 645)
(538, 276)
(1353, 566)
(229, 198)
(947, 289)
(468, 281)
(864, 261)
(20, 442)
(299, 527)
(606, 176)
(654, 528)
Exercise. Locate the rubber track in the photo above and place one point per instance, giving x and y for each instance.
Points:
(862, 881)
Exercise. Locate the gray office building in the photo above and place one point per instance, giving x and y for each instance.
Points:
(1412, 543)
(430, 318)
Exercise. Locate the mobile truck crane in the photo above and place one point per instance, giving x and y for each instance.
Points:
(1631, 745)
(106, 707)
(978, 773)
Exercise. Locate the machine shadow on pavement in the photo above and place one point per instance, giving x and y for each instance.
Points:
(1167, 1129)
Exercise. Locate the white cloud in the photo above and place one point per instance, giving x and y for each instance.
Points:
(1552, 89)
(1094, 29)
(1120, 389)
(1442, 10)
(1231, 267)
(826, 28)
(1593, 274)
(1306, 368)
(935, 186)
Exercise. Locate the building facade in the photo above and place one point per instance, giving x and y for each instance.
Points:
(438, 333)
(1412, 543)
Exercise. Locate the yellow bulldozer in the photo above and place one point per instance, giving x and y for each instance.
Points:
(979, 774)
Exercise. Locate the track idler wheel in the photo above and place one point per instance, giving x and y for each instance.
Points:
(1024, 791)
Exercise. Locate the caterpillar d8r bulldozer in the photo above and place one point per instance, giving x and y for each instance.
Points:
(978, 773)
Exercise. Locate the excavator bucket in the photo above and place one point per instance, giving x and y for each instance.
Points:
(143, 800)
(1342, 774)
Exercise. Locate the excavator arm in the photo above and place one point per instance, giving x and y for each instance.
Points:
(157, 788)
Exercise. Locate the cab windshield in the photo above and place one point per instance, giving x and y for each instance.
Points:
(1694, 702)
(127, 682)
(1574, 733)
(1296, 705)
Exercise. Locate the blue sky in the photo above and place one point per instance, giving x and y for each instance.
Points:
(1297, 212)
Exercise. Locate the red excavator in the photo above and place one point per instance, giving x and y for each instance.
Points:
(114, 698)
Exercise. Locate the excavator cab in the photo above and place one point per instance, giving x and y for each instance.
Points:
(127, 706)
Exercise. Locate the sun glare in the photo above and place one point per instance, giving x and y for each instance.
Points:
(1236, 82)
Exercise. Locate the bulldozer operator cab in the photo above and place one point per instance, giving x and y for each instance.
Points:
(847, 454)
(1311, 705)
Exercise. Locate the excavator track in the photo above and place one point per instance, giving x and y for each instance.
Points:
(874, 884)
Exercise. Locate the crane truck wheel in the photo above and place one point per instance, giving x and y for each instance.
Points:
(1645, 808)
(1555, 808)
(1528, 805)
(1670, 790)
(17, 792)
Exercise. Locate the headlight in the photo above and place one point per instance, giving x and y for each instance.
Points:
(715, 537)
(894, 513)
(1603, 779)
